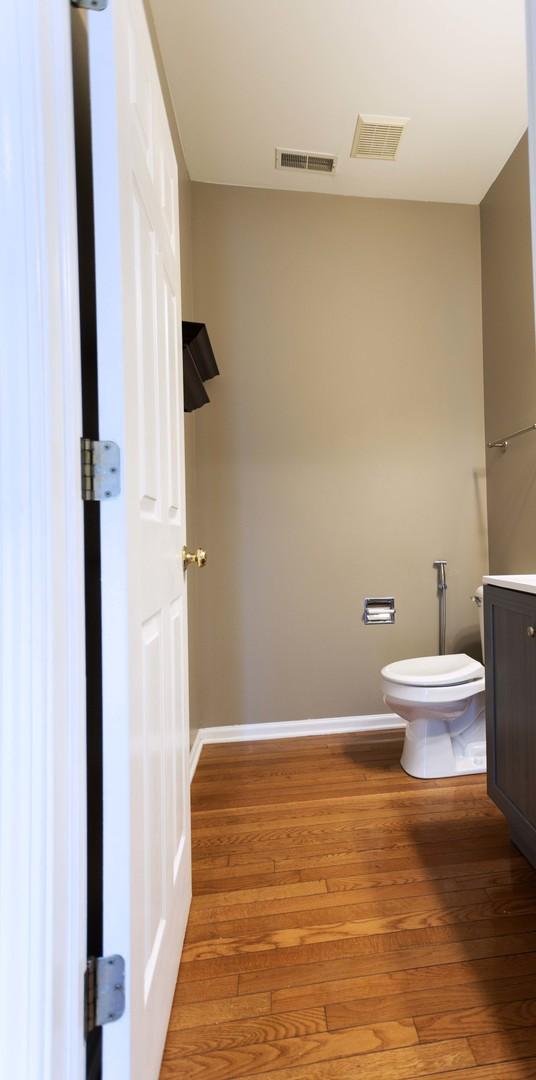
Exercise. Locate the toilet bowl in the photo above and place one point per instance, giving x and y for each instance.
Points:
(442, 700)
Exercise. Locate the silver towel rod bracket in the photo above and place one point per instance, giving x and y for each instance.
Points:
(502, 444)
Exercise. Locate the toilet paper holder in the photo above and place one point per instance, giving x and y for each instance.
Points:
(379, 610)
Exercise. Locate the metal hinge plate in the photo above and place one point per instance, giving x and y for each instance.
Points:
(90, 5)
(104, 991)
(101, 476)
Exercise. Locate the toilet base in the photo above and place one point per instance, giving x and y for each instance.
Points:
(437, 746)
(423, 765)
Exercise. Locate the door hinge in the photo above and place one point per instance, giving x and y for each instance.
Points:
(104, 991)
(101, 476)
(90, 5)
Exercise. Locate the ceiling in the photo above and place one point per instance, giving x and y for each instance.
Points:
(249, 75)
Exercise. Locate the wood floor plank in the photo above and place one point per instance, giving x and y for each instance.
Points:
(509, 1070)
(308, 1050)
(313, 745)
(477, 1021)
(287, 768)
(258, 896)
(296, 900)
(359, 840)
(292, 769)
(405, 1064)
(382, 763)
(513, 889)
(504, 871)
(420, 1002)
(504, 1045)
(213, 861)
(291, 781)
(270, 1027)
(246, 881)
(215, 1012)
(497, 845)
(213, 947)
(251, 864)
(293, 834)
(286, 780)
(292, 827)
(279, 931)
(353, 817)
(350, 922)
(295, 805)
(303, 974)
(382, 783)
(241, 859)
(211, 873)
(434, 977)
(226, 986)
(371, 945)
(360, 797)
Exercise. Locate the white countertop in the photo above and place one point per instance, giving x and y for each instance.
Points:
(520, 582)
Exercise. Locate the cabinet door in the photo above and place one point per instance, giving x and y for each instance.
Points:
(511, 709)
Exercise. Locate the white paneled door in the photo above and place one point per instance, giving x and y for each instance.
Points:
(147, 859)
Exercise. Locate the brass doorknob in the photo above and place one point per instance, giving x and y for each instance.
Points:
(531, 632)
(193, 558)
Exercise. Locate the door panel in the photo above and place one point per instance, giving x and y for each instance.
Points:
(511, 709)
(515, 697)
(147, 871)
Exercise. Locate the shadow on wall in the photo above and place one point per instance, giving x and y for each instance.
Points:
(512, 478)
(466, 641)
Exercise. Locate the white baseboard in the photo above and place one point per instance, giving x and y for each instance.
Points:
(291, 729)
(195, 752)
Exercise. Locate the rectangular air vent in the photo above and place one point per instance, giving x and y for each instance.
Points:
(378, 136)
(302, 159)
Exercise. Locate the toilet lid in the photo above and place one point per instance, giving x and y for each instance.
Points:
(434, 670)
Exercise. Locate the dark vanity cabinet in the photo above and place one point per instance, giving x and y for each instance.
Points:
(510, 656)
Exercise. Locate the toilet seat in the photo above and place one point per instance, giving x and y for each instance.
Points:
(401, 692)
(434, 671)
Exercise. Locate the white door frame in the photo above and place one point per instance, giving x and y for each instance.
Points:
(42, 720)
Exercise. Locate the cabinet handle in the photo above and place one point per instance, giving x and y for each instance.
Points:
(531, 631)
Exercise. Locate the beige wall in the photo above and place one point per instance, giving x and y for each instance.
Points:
(509, 364)
(343, 450)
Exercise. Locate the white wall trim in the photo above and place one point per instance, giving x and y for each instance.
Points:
(42, 684)
(291, 729)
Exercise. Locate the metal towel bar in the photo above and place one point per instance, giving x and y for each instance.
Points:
(503, 443)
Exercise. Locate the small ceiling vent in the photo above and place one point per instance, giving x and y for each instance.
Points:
(302, 159)
(378, 136)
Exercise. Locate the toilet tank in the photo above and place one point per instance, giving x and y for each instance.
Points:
(479, 601)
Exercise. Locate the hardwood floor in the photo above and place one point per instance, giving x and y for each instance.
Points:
(350, 923)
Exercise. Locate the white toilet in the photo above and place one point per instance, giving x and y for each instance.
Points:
(442, 699)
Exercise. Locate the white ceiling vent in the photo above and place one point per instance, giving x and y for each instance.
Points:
(304, 160)
(378, 136)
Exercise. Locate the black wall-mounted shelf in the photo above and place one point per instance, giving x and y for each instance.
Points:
(199, 364)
